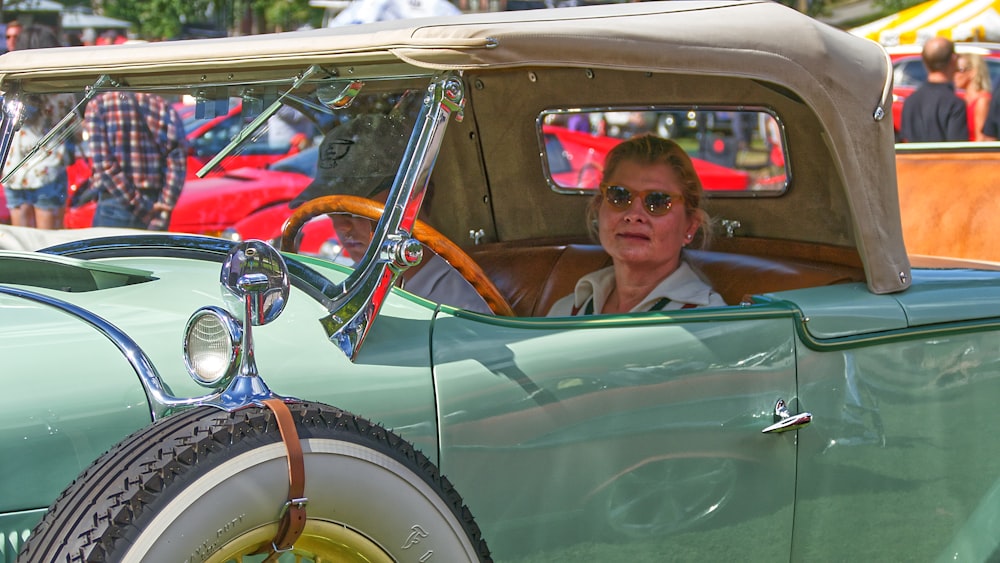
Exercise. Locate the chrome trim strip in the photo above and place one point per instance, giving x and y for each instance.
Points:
(303, 277)
(886, 100)
(244, 390)
(137, 242)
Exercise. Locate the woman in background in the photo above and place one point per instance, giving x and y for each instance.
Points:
(973, 76)
(36, 191)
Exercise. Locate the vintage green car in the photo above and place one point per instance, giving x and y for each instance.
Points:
(838, 408)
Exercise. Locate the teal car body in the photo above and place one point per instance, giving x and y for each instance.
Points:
(840, 407)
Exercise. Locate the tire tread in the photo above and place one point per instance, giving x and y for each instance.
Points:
(117, 489)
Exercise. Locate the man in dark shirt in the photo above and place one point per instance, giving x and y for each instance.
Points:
(991, 127)
(934, 112)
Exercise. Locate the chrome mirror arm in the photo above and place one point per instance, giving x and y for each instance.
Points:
(392, 251)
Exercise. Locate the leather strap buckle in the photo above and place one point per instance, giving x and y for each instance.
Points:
(292, 516)
(298, 503)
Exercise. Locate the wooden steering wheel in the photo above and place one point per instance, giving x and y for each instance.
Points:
(429, 236)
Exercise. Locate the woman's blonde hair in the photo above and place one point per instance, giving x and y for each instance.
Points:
(979, 80)
(650, 149)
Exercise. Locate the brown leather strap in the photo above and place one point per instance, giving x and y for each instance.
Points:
(293, 514)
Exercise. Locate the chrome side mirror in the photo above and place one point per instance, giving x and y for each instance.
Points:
(255, 274)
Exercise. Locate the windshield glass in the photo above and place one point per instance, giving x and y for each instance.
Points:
(227, 158)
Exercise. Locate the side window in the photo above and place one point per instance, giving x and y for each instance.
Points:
(737, 152)
(910, 73)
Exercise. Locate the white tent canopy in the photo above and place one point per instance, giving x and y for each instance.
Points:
(81, 20)
(370, 11)
(958, 20)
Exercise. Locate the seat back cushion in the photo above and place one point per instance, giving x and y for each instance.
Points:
(533, 278)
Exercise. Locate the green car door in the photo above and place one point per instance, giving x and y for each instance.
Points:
(607, 437)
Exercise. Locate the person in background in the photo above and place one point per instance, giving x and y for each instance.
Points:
(934, 112)
(647, 211)
(73, 40)
(289, 129)
(12, 32)
(111, 37)
(139, 159)
(36, 189)
(991, 127)
(433, 278)
(973, 76)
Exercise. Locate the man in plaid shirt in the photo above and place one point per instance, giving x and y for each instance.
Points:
(139, 153)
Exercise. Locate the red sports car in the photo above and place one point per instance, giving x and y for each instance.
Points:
(210, 205)
(208, 135)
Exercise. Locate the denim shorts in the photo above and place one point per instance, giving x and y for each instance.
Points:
(50, 197)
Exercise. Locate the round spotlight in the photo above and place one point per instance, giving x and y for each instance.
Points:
(212, 340)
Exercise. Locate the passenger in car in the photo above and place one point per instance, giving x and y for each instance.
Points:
(647, 211)
(433, 279)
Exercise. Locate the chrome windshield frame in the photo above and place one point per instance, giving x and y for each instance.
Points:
(365, 290)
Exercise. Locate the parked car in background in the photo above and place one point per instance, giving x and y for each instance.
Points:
(174, 397)
(211, 205)
(209, 134)
(278, 184)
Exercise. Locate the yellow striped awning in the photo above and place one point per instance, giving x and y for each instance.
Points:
(958, 20)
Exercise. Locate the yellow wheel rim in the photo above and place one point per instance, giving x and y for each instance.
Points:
(320, 542)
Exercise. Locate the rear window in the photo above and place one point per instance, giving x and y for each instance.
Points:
(736, 152)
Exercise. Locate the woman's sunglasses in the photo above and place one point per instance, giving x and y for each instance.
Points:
(654, 202)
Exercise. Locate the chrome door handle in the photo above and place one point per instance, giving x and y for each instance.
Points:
(785, 421)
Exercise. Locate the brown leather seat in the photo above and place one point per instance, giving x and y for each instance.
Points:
(534, 277)
(947, 202)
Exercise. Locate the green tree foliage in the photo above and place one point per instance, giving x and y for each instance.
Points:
(289, 14)
(164, 19)
(817, 8)
(892, 6)
(810, 7)
(156, 19)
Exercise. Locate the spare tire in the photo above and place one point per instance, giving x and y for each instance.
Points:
(208, 485)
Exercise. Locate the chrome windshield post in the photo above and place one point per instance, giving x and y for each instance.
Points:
(11, 115)
(392, 250)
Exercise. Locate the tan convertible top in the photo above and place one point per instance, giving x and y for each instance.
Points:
(842, 79)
